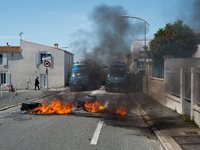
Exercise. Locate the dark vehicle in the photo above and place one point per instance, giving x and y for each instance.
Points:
(104, 74)
(85, 76)
(116, 79)
(79, 76)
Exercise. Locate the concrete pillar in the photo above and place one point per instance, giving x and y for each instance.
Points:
(194, 86)
(182, 89)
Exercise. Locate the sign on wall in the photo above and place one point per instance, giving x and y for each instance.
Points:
(46, 57)
(140, 64)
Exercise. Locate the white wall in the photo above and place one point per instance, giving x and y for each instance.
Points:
(177, 63)
(197, 54)
(136, 47)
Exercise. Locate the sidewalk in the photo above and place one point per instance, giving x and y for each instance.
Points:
(170, 129)
(9, 99)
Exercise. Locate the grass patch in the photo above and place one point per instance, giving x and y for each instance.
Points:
(186, 118)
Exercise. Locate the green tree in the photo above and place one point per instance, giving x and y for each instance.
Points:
(175, 39)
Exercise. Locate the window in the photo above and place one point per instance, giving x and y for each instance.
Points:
(45, 56)
(1, 59)
(40, 57)
(2, 78)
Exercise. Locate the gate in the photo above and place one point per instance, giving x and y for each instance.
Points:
(135, 81)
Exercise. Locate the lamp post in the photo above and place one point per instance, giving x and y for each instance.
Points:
(21, 35)
(126, 16)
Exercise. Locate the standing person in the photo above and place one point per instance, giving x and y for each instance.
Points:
(37, 83)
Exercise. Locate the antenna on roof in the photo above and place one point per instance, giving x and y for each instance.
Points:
(21, 35)
(64, 47)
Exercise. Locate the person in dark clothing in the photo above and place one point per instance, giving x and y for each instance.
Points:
(37, 83)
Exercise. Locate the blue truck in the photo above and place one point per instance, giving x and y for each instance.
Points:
(116, 78)
(79, 78)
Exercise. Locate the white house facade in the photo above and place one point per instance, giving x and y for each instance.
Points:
(138, 55)
(20, 65)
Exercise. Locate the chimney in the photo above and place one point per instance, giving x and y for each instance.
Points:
(56, 45)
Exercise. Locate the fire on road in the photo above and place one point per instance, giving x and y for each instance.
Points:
(59, 107)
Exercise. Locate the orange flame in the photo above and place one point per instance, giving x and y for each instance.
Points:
(56, 107)
(94, 107)
(121, 112)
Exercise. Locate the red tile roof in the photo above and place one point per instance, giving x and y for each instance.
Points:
(10, 49)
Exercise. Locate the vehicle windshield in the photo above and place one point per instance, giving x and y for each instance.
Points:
(79, 73)
(116, 73)
(82, 67)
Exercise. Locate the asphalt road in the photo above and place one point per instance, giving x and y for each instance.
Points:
(82, 130)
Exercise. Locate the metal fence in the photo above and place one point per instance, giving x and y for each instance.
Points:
(188, 86)
(158, 70)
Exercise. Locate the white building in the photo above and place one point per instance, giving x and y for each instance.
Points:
(138, 55)
(20, 65)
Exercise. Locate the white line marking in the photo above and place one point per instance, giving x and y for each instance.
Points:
(96, 133)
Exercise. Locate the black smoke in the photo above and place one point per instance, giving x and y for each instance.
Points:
(196, 16)
(110, 38)
(189, 12)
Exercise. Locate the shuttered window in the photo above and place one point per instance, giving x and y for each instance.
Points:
(8, 79)
(4, 59)
(2, 78)
(1, 59)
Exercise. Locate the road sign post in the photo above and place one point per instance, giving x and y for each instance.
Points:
(47, 64)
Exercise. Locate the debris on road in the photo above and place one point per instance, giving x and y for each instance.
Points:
(29, 105)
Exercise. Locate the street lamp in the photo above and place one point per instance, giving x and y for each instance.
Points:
(126, 16)
(21, 35)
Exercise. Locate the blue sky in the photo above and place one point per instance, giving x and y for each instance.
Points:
(55, 21)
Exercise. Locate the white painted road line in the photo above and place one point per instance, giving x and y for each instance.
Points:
(96, 133)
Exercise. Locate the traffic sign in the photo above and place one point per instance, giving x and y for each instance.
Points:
(140, 64)
(46, 63)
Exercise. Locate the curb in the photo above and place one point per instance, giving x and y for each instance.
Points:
(158, 134)
(42, 96)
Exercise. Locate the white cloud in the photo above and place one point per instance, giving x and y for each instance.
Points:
(9, 37)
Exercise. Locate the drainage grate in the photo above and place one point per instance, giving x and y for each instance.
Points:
(188, 141)
(22, 119)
